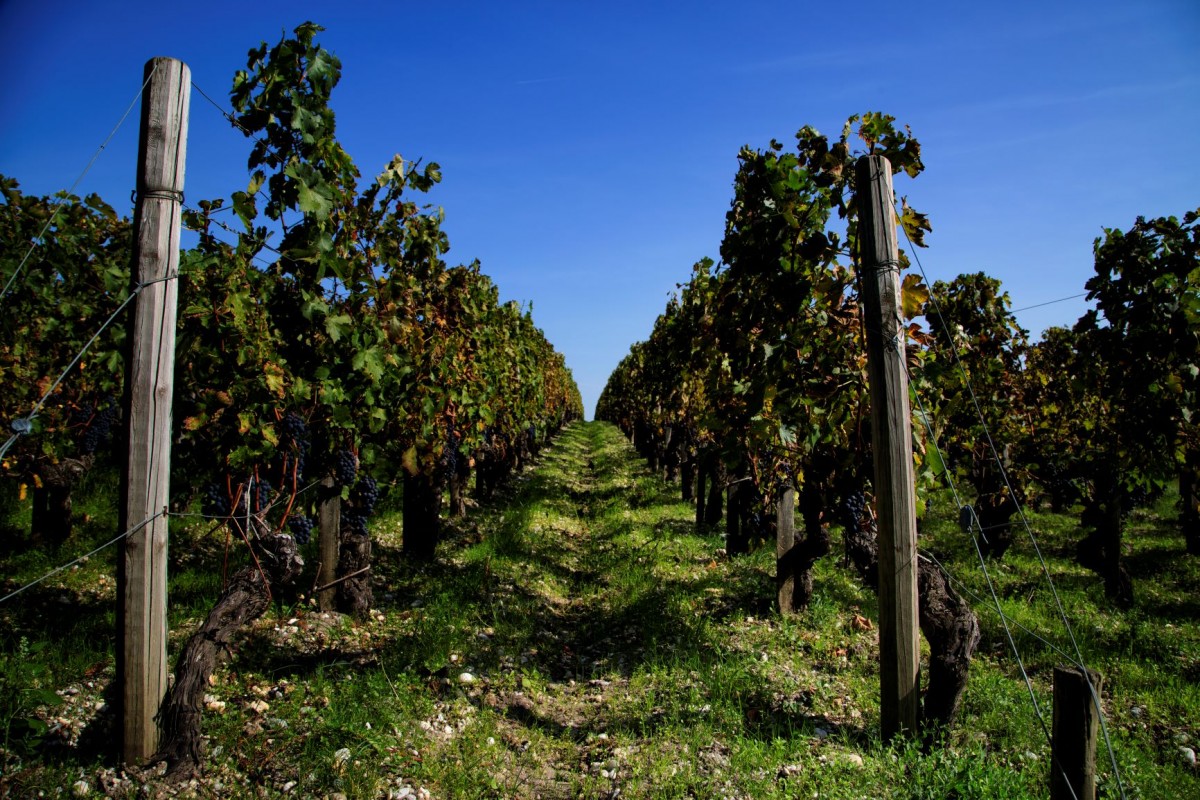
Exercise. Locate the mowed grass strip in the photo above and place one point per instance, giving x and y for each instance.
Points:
(578, 638)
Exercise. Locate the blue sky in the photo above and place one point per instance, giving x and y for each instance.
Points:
(588, 149)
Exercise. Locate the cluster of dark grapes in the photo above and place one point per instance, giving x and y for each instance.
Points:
(1058, 483)
(301, 528)
(295, 431)
(361, 506)
(345, 467)
(785, 477)
(365, 495)
(216, 500)
(450, 455)
(1141, 497)
(296, 444)
(853, 508)
(262, 495)
(217, 503)
(99, 419)
(354, 523)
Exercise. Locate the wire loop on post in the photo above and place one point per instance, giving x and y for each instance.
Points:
(163, 194)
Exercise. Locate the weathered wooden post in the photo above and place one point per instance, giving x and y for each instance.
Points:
(891, 440)
(785, 541)
(149, 385)
(1073, 738)
(736, 538)
(329, 515)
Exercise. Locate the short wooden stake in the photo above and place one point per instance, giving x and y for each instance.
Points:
(891, 439)
(329, 515)
(149, 386)
(1073, 745)
(785, 540)
(735, 535)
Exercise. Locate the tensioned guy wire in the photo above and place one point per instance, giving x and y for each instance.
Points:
(982, 563)
(1012, 643)
(240, 235)
(229, 116)
(134, 530)
(981, 599)
(70, 564)
(999, 462)
(54, 210)
(1051, 302)
(24, 425)
(1024, 521)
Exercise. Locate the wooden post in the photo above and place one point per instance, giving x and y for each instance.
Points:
(891, 438)
(329, 516)
(149, 385)
(687, 479)
(1073, 740)
(785, 540)
(734, 533)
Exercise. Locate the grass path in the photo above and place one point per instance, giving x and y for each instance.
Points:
(578, 638)
(611, 652)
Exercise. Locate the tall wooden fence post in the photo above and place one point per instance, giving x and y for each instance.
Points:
(891, 439)
(1073, 739)
(149, 385)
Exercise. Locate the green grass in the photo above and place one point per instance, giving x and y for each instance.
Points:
(609, 646)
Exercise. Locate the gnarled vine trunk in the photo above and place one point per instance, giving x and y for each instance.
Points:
(459, 479)
(1101, 549)
(952, 630)
(485, 486)
(995, 506)
(52, 505)
(687, 480)
(244, 599)
(946, 620)
(421, 509)
(716, 491)
(701, 492)
(815, 545)
(1189, 500)
(354, 593)
(995, 512)
(737, 535)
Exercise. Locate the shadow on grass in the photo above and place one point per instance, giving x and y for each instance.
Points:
(614, 618)
(555, 605)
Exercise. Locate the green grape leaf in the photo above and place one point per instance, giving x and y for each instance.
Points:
(313, 200)
(336, 325)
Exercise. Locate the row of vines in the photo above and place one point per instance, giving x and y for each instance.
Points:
(753, 381)
(325, 352)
